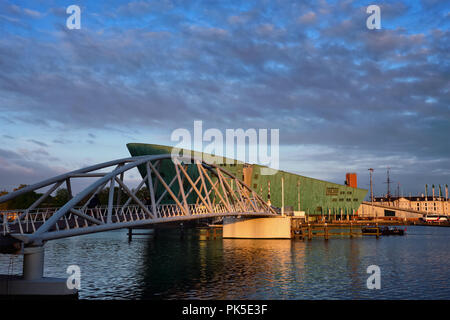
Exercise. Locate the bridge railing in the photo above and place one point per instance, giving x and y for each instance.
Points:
(25, 222)
(22, 217)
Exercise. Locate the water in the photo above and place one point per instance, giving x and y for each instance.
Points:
(415, 266)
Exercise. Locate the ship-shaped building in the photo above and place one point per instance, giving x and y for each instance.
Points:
(301, 194)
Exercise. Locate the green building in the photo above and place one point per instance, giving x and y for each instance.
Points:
(314, 197)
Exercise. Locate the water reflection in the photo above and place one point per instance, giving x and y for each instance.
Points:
(412, 267)
(221, 269)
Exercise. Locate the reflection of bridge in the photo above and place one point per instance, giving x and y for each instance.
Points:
(216, 193)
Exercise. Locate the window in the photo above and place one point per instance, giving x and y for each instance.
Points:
(389, 213)
(332, 191)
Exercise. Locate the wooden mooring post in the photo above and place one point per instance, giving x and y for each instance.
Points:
(130, 233)
(211, 232)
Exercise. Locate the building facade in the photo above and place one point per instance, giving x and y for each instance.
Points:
(424, 204)
(294, 192)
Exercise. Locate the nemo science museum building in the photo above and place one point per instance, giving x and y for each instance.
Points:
(302, 195)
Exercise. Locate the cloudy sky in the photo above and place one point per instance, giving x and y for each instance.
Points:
(345, 98)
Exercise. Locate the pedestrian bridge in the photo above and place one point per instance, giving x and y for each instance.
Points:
(179, 189)
(177, 179)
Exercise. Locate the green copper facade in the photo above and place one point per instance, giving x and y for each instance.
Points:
(317, 197)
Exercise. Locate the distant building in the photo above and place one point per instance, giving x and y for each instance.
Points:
(425, 204)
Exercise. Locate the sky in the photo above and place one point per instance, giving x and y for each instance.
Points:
(344, 98)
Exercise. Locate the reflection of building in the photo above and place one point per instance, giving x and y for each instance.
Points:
(432, 205)
(314, 197)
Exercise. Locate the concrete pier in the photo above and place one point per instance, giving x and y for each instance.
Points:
(257, 228)
(45, 287)
(33, 283)
(288, 227)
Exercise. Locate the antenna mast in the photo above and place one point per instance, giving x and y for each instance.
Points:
(371, 184)
(388, 181)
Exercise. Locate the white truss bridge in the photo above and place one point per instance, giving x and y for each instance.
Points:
(218, 193)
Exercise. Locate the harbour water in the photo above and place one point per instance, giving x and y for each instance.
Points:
(415, 266)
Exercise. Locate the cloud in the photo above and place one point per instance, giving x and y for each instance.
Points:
(239, 19)
(59, 12)
(140, 8)
(18, 11)
(39, 143)
(307, 18)
(61, 141)
(32, 13)
(17, 168)
(311, 69)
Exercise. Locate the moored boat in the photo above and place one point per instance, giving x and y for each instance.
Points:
(386, 231)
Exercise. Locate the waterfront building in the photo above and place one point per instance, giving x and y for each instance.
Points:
(426, 204)
(288, 191)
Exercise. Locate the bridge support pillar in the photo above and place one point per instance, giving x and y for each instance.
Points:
(33, 263)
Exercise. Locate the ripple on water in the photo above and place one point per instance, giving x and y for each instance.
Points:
(412, 267)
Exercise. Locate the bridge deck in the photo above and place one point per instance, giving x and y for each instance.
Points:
(96, 220)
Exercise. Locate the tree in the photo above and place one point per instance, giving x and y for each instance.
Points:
(61, 198)
(23, 201)
(143, 194)
(4, 205)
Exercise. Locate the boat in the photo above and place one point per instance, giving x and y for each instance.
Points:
(387, 231)
(384, 231)
(434, 218)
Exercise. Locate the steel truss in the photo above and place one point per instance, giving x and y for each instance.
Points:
(218, 193)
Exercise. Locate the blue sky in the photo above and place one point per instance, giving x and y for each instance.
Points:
(345, 98)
